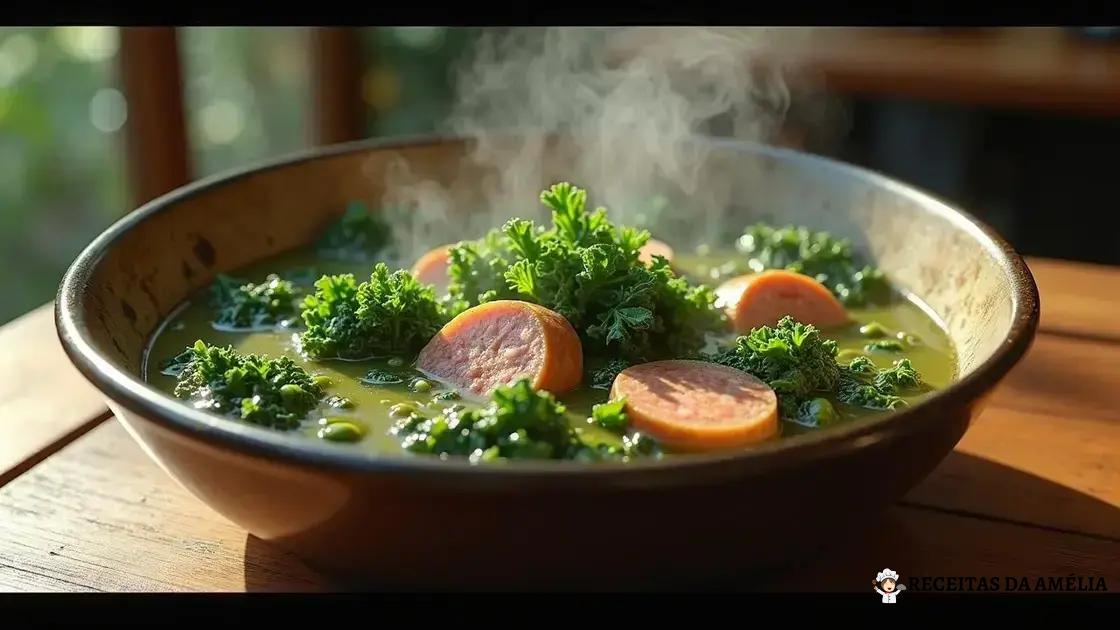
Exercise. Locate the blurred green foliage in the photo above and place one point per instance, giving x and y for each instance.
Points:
(408, 82)
(247, 94)
(248, 97)
(62, 176)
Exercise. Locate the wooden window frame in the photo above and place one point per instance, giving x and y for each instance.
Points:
(157, 144)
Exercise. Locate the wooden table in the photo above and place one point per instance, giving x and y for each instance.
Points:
(1033, 489)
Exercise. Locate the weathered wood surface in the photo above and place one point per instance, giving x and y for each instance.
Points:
(1033, 489)
(44, 401)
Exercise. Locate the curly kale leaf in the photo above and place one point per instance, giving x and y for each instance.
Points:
(610, 415)
(862, 365)
(274, 393)
(634, 446)
(864, 385)
(381, 377)
(859, 393)
(331, 317)
(400, 309)
(685, 311)
(792, 358)
(900, 377)
(358, 236)
(477, 271)
(801, 367)
(238, 304)
(603, 377)
(175, 365)
(818, 254)
(391, 313)
(588, 270)
(518, 423)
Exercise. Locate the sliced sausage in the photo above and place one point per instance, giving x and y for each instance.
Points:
(761, 299)
(654, 247)
(696, 405)
(496, 343)
(431, 268)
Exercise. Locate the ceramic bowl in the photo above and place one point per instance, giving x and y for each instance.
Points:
(408, 521)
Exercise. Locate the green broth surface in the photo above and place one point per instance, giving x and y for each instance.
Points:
(933, 356)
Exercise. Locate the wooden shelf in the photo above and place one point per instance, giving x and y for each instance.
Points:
(1025, 68)
(1039, 68)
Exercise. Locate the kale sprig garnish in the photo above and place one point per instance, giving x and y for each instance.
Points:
(274, 393)
(587, 269)
(518, 423)
(389, 314)
(800, 365)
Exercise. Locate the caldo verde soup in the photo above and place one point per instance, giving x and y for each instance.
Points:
(475, 368)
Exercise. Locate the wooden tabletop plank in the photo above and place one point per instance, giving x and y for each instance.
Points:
(1064, 377)
(44, 401)
(1078, 298)
(1037, 469)
(100, 515)
(1044, 452)
(917, 542)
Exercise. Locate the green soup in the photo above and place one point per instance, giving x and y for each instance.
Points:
(925, 344)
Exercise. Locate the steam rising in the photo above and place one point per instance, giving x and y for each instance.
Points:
(631, 101)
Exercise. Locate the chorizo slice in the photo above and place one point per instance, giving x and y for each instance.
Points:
(696, 405)
(761, 299)
(496, 343)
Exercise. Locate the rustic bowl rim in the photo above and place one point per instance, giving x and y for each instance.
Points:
(134, 394)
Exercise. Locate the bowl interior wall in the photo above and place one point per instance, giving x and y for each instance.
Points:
(172, 253)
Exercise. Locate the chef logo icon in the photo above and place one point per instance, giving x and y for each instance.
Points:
(886, 584)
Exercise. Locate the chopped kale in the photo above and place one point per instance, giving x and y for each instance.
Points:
(381, 377)
(603, 377)
(792, 358)
(518, 423)
(359, 235)
(884, 346)
(391, 313)
(446, 396)
(801, 367)
(817, 254)
(274, 393)
(587, 269)
(610, 415)
(176, 364)
(900, 377)
(239, 304)
(864, 385)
